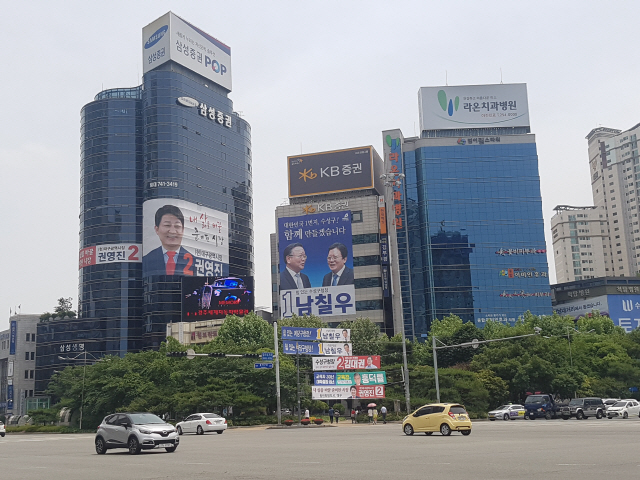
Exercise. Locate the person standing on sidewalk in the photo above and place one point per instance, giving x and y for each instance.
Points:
(370, 414)
(375, 416)
(353, 415)
(331, 414)
(306, 413)
(383, 411)
(337, 415)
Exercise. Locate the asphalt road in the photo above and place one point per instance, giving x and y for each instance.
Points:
(540, 449)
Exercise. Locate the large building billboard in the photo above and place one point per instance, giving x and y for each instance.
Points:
(330, 172)
(171, 38)
(209, 298)
(316, 265)
(185, 239)
(473, 106)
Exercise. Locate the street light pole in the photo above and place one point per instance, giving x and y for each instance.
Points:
(474, 343)
(275, 341)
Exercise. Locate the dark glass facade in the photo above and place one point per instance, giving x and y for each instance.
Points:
(135, 142)
(211, 165)
(473, 243)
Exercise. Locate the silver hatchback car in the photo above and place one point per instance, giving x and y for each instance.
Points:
(136, 432)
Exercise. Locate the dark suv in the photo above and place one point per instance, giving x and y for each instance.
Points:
(135, 432)
(583, 408)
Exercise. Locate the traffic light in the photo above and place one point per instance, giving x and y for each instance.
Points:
(251, 355)
(176, 354)
(216, 354)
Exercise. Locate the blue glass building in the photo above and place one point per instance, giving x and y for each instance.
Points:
(140, 144)
(469, 225)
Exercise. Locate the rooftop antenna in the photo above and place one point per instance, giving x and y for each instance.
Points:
(446, 78)
(414, 130)
(300, 148)
(501, 75)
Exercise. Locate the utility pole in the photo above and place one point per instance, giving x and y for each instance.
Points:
(275, 341)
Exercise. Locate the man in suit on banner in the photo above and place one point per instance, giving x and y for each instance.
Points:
(292, 278)
(170, 258)
(340, 274)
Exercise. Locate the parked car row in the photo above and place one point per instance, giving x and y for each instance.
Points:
(543, 405)
(145, 431)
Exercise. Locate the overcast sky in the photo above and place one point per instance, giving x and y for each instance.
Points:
(307, 76)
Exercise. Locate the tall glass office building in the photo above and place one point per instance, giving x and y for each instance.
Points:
(172, 141)
(469, 225)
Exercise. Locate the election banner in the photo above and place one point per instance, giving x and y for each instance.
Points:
(367, 362)
(350, 378)
(345, 393)
(185, 239)
(13, 337)
(208, 298)
(316, 265)
(326, 334)
(110, 253)
(310, 348)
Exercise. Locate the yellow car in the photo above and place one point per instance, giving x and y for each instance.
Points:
(438, 417)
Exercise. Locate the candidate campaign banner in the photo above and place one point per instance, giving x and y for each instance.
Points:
(184, 239)
(366, 362)
(326, 334)
(345, 393)
(350, 378)
(13, 336)
(310, 348)
(316, 265)
(110, 253)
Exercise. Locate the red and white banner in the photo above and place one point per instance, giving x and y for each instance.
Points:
(365, 362)
(345, 393)
(111, 253)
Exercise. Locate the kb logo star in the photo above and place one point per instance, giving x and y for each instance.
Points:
(307, 174)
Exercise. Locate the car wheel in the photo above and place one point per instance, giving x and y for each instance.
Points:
(599, 414)
(579, 415)
(220, 431)
(179, 429)
(506, 416)
(547, 416)
(445, 430)
(564, 417)
(625, 415)
(101, 447)
(532, 417)
(170, 449)
(134, 446)
(408, 429)
(2, 435)
(199, 431)
(465, 432)
(492, 419)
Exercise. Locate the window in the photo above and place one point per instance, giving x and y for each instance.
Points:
(33, 337)
(33, 355)
(28, 336)
(31, 373)
(368, 282)
(26, 355)
(369, 305)
(356, 216)
(26, 374)
(366, 260)
(365, 238)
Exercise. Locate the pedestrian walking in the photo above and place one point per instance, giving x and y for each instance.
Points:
(337, 415)
(306, 413)
(383, 411)
(331, 414)
(370, 414)
(353, 415)
(375, 416)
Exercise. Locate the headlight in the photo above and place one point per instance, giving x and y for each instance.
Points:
(144, 430)
(405, 418)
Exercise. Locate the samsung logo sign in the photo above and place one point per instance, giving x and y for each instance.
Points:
(156, 37)
(188, 101)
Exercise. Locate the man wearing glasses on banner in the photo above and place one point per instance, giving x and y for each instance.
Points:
(292, 278)
(340, 274)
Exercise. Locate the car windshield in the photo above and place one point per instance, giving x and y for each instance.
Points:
(610, 402)
(145, 418)
(575, 401)
(620, 404)
(502, 407)
(535, 399)
(211, 415)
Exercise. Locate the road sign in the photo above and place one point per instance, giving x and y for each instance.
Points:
(267, 357)
(191, 354)
(263, 365)
(474, 343)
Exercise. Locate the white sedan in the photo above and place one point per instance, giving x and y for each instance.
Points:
(202, 422)
(624, 409)
(507, 412)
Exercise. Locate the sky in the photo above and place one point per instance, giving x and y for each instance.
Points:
(308, 77)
